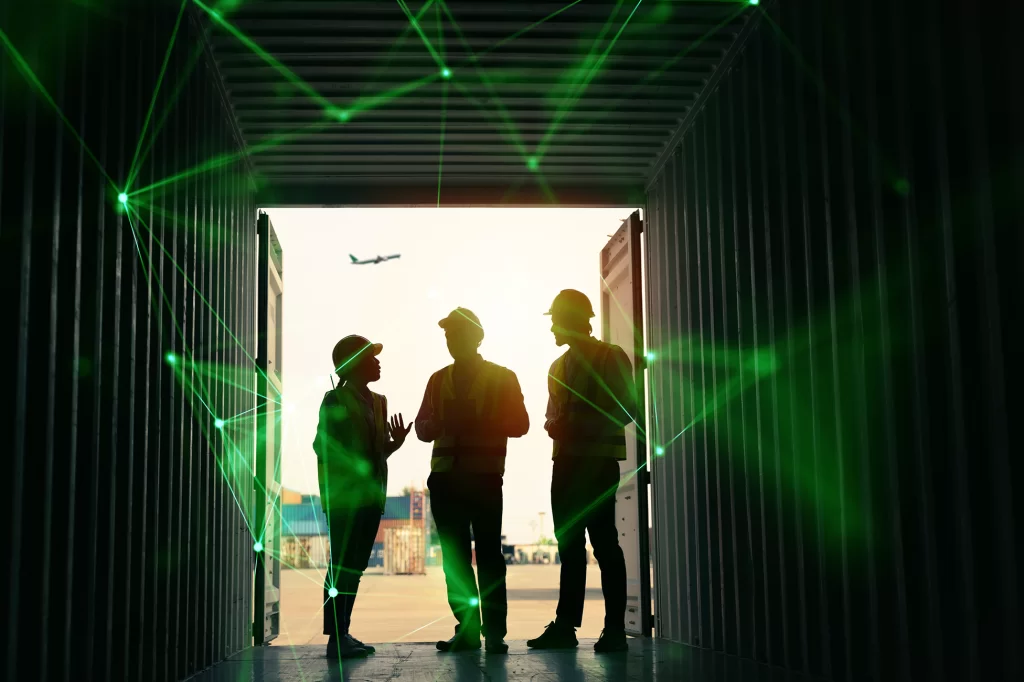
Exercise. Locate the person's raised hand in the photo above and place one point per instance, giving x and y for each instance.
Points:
(398, 430)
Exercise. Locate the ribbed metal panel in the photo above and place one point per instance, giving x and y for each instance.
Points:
(128, 557)
(847, 202)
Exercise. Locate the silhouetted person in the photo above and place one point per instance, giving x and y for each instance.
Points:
(470, 409)
(591, 396)
(353, 442)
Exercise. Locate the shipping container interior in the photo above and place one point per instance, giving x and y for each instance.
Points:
(832, 230)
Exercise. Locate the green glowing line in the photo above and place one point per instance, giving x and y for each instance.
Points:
(574, 94)
(183, 78)
(367, 103)
(228, 158)
(597, 501)
(413, 632)
(426, 41)
(579, 395)
(520, 32)
(152, 102)
(202, 298)
(510, 126)
(400, 41)
(267, 57)
(30, 75)
(440, 153)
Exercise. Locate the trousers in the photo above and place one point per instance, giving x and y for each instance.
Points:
(352, 532)
(583, 499)
(467, 508)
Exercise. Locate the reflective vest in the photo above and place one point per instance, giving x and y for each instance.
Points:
(478, 453)
(606, 438)
(355, 461)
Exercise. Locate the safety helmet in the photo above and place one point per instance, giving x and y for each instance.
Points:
(462, 318)
(572, 303)
(346, 350)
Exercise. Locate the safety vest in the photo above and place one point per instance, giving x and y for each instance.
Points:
(608, 439)
(360, 476)
(480, 453)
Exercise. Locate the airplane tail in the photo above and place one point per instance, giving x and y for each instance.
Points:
(354, 259)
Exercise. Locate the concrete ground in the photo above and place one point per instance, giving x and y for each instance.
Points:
(404, 615)
(647, 661)
(409, 608)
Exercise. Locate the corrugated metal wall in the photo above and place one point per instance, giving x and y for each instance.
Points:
(128, 558)
(835, 252)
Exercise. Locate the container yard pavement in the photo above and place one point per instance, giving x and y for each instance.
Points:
(413, 608)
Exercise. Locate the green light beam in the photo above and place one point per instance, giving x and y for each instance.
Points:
(603, 413)
(440, 154)
(412, 632)
(229, 158)
(382, 68)
(573, 96)
(426, 41)
(597, 501)
(183, 79)
(367, 103)
(132, 170)
(478, 55)
(267, 57)
(198, 293)
(30, 76)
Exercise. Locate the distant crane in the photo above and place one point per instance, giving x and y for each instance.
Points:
(373, 261)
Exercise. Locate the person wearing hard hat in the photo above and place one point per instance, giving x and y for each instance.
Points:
(353, 442)
(591, 397)
(470, 409)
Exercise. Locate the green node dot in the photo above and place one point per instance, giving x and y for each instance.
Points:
(473, 601)
(332, 593)
(258, 546)
(219, 423)
(342, 115)
(532, 163)
(659, 450)
(123, 198)
(171, 358)
(754, 2)
(446, 72)
(649, 355)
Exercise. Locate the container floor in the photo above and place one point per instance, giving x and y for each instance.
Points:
(647, 660)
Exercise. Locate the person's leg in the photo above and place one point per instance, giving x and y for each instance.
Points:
(453, 524)
(364, 533)
(605, 539)
(490, 562)
(340, 524)
(572, 549)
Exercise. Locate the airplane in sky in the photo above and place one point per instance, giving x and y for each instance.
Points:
(373, 261)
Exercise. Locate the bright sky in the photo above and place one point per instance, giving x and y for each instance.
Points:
(504, 264)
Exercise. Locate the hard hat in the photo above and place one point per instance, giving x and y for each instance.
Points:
(349, 347)
(571, 302)
(461, 317)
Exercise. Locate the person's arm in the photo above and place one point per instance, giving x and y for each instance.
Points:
(551, 413)
(622, 385)
(427, 430)
(515, 418)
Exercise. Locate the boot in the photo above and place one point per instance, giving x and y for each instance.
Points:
(463, 640)
(349, 605)
(496, 645)
(342, 647)
(611, 641)
(555, 636)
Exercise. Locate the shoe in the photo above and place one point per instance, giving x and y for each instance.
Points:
(611, 641)
(556, 636)
(496, 645)
(369, 649)
(460, 641)
(343, 647)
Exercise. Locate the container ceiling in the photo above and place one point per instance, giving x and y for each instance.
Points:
(573, 102)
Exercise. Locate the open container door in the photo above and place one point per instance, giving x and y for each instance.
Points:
(622, 324)
(267, 588)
